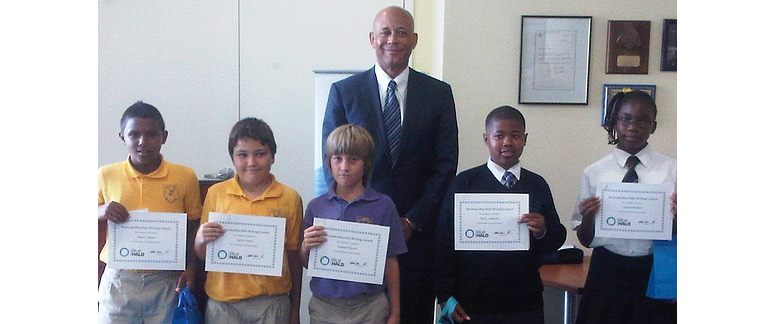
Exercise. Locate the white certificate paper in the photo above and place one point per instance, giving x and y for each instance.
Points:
(148, 241)
(488, 222)
(250, 244)
(634, 211)
(352, 252)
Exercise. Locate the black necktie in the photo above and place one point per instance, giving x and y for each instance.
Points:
(509, 179)
(392, 119)
(631, 175)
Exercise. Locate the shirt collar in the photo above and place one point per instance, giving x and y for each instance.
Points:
(383, 79)
(498, 171)
(273, 191)
(644, 156)
(131, 172)
(369, 194)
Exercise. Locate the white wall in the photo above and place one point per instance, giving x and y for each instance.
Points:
(181, 57)
(482, 61)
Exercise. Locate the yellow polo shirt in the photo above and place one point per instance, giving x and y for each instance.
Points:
(171, 188)
(277, 201)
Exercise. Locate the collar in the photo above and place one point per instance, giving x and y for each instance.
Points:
(383, 79)
(131, 172)
(233, 188)
(498, 171)
(369, 194)
(644, 156)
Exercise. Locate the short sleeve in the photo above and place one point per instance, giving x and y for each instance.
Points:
(192, 203)
(294, 224)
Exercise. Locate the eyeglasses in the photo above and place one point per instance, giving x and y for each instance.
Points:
(627, 121)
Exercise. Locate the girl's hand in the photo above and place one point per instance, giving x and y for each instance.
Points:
(589, 206)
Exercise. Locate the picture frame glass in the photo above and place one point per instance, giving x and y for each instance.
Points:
(554, 60)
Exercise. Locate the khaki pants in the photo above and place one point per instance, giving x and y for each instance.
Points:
(127, 297)
(264, 309)
(373, 309)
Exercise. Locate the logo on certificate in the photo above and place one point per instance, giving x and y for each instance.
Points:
(611, 221)
(325, 260)
(222, 254)
(469, 233)
(124, 252)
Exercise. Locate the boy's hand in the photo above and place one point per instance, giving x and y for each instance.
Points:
(186, 279)
(459, 314)
(589, 207)
(313, 236)
(393, 319)
(673, 203)
(209, 232)
(535, 222)
(112, 211)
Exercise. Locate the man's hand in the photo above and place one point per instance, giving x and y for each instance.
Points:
(406, 228)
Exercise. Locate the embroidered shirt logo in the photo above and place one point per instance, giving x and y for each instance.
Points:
(277, 212)
(365, 220)
(170, 193)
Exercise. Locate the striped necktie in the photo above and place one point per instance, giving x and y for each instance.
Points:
(631, 175)
(392, 118)
(509, 179)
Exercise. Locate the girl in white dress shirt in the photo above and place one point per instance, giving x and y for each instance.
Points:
(615, 290)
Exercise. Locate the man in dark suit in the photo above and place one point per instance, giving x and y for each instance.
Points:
(411, 117)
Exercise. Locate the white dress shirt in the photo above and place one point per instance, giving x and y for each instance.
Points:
(498, 171)
(401, 87)
(654, 168)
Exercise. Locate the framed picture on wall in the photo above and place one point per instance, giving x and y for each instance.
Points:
(668, 52)
(627, 47)
(554, 60)
(612, 89)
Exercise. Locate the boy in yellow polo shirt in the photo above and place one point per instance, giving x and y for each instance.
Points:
(144, 181)
(248, 298)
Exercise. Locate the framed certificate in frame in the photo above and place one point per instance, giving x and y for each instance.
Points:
(555, 60)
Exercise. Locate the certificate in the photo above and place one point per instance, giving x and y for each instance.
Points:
(352, 252)
(148, 241)
(250, 244)
(488, 222)
(634, 211)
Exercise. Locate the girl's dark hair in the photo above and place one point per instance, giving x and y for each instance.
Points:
(142, 110)
(255, 129)
(613, 109)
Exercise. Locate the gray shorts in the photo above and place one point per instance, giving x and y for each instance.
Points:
(264, 309)
(374, 309)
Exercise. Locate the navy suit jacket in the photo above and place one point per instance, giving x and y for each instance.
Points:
(428, 153)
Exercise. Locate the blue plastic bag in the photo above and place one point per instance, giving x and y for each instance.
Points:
(187, 311)
(662, 278)
(447, 312)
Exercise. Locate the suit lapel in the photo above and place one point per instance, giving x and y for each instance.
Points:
(411, 109)
(370, 98)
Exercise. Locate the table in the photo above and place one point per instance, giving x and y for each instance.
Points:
(571, 279)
